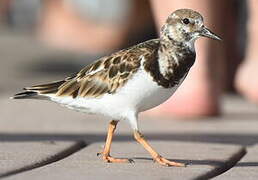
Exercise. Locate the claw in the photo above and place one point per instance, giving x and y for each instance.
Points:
(131, 161)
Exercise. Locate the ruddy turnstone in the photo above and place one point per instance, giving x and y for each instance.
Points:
(132, 80)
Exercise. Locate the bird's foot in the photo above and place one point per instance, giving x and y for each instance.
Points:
(109, 159)
(165, 162)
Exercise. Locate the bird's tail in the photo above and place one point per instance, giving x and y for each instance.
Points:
(39, 91)
(25, 95)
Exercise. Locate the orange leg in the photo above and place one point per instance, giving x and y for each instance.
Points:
(156, 157)
(106, 152)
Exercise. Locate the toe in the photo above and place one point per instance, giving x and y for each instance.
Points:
(110, 159)
(166, 162)
(172, 163)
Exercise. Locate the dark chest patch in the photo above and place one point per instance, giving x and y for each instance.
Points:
(179, 71)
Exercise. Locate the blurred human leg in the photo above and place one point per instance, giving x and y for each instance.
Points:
(199, 93)
(246, 79)
(66, 24)
(4, 8)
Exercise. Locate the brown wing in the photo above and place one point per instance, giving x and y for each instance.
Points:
(104, 76)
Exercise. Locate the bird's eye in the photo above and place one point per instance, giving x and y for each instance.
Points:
(186, 21)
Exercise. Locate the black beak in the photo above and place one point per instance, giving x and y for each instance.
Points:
(207, 33)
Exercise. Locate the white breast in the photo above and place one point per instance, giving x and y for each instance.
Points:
(145, 93)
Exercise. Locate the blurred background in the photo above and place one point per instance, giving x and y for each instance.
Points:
(45, 40)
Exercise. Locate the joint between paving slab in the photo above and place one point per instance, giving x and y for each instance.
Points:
(231, 162)
(57, 157)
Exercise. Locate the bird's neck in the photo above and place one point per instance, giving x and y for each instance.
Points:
(175, 59)
(168, 42)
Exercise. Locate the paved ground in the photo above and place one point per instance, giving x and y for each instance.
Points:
(41, 140)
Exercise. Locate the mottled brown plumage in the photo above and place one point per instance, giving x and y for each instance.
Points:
(105, 75)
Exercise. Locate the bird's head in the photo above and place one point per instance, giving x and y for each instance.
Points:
(186, 25)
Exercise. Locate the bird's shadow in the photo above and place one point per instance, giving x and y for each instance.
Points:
(234, 139)
(247, 164)
(188, 162)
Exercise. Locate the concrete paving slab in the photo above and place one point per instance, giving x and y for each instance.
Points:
(247, 168)
(35, 121)
(23, 156)
(204, 160)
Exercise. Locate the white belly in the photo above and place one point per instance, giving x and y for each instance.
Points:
(139, 94)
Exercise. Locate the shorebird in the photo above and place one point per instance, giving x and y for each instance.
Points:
(132, 80)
